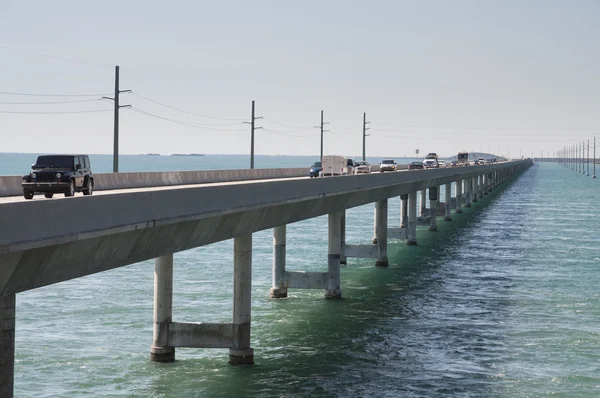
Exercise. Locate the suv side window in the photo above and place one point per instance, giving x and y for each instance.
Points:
(78, 162)
(86, 162)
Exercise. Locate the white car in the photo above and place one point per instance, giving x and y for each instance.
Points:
(430, 164)
(442, 163)
(362, 167)
(387, 165)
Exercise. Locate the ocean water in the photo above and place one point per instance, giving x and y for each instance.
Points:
(500, 302)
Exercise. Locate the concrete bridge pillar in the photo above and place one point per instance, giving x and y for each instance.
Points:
(279, 289)
(486, 183)
(343, 259)
(7, 345)
(474, 190)
(433, 200)
(423, 200)
(374, 241)
(412, 219)
(241, 353)
(468, 192)
(382, 231)
(481, 186)
(459, 184)
(334, 254)
(448, 199)
(163, 310)
(404, 214)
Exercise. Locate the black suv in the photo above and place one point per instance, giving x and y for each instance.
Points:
(59, 174)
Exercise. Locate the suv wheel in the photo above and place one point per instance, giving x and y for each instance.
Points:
(49, 195)
(89, 189)
(71, 190)
(27, 194)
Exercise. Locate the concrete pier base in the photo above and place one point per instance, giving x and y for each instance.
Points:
(382, 216)
(459, 197)
(241, 353)
(412, 219)
(7, 345)
(433, 200)
(334, 254)
(404, 214)
(278, 289)
(374, 240)
(161, 351)
(448, 199)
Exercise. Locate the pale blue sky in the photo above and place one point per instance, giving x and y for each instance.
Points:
(440, 76)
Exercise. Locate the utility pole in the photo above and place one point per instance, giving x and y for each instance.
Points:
(365, 128)
(252, 128)
(115, 99)
(322, 131)
(588, 158)
(594, 165)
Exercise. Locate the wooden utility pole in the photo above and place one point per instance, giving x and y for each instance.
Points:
(322, 131)
(115, 99)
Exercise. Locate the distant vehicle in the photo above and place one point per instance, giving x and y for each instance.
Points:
(350, 166)
(387, 165)
(431, 161)
(362, 167)
(473, 162)
(59, 174)
(463, 158)
(333, 165)
(454, 163)
(481, 161)
(315, 169)
(442, 163)
(415, 166)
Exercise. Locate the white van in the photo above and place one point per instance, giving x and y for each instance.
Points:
(334, 165)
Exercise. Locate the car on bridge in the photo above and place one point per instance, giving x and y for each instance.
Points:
(416, 165)
(315, 169)
(362, 167)
(387, 165)
(59, 174)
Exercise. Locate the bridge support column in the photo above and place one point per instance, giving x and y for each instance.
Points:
(404, 214)
(459, 196)
(423, 200)
(343, 259)
(433, 201)
(448, 199)
(374, 241)
(480, 186)
(333, 258)
(412, 219)
(468, 192)
(486, 183)
(163, 310)
(241, 353)
(7, 345)
(382, 232)
(279, 289)
(475, 194)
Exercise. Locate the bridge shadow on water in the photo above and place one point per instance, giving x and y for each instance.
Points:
(431, 324)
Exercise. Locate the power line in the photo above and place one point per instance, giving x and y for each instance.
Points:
(49, 102)
(184, 111)
(53, 95)
(184, 123)
(56, 113)
(278, 132)
(286, 125)
(482, 128)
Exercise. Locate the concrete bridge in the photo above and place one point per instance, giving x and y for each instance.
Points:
(49, 241)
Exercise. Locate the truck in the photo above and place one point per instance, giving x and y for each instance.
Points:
(334, 165)
(462, 159)
(431, 161)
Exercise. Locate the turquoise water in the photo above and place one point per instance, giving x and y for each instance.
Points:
(500, 302)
